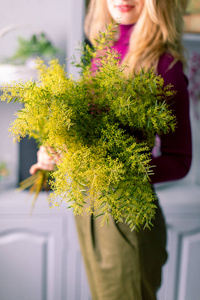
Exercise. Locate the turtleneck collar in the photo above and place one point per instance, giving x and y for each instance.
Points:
(122, 44)
(125, 33)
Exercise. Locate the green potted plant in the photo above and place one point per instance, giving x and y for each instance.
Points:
(37, 46)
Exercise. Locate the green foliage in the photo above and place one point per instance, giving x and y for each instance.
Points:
(36, 46)
(104, 124)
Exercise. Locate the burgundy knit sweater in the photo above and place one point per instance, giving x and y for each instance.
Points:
(175, 148)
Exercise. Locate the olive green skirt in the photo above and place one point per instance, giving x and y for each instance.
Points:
(122, 264)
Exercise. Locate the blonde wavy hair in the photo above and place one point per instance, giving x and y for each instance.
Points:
(158, 30)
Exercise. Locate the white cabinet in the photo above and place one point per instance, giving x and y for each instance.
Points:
(27, 261)
(39, 254)
(181, 205)
(189, 284)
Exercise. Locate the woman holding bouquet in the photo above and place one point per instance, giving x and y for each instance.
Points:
(122, 264)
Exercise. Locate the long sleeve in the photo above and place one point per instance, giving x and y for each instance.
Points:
(176, 151)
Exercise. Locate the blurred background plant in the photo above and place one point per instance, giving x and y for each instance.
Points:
(4, 172)
(38, 45)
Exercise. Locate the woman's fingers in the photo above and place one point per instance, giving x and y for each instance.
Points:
(44, 161)
(56, 154)
(34, 168)
(40, 166)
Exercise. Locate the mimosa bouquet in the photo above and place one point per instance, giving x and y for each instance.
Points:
(104, 124)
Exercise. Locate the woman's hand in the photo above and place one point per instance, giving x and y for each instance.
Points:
(47, 158)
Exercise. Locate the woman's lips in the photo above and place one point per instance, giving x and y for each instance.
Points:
(124, 8)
